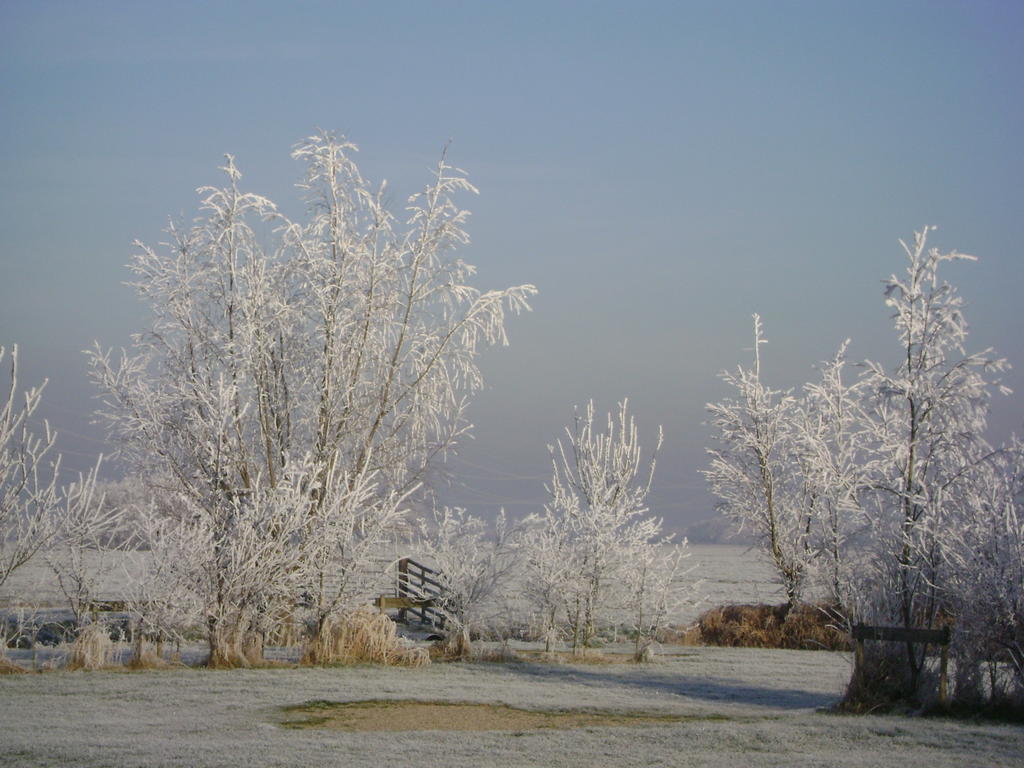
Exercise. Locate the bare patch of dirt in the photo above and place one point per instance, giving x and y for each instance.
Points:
(391, 715)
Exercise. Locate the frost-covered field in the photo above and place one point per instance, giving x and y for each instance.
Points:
(728, 574)
(739, 707)
(736, 707)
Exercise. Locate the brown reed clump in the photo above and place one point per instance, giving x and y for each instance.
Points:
(680, 635)
(8, 667)
(92, 649)
(145, 657)
(362, 636)
(286, 631)
(802, 627)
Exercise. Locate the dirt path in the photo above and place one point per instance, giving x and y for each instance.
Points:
(393, 715)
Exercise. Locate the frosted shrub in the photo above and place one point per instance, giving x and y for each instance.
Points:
(595, 559)
(657, 581)
(986, 560)
(473, 567)
(79, 554)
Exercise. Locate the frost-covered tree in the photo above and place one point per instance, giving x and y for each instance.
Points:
(548, 570)
(594, 557)
(910, 516)
(599, 489)
(657, 585)
(473, 566)
(985, 557)
(79, 552)
(341, 541)
(756, 470)
(924, 423)
(832, 466)
(157, 586)
(28, 477)
(339, 352)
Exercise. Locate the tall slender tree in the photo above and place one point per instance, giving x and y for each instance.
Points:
(755, 470)
(831, 453)
(925, 420)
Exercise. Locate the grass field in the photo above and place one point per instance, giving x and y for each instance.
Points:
(712, 707)
(691, 707)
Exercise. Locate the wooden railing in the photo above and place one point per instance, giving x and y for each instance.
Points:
(417, 591)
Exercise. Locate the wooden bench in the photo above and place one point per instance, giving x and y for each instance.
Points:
(939, 637)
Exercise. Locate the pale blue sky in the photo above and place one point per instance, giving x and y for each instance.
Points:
(659, 170)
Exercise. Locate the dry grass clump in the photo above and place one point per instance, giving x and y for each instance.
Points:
(803, 627)
(8, 667)
(92, 649)
(680, 635)
(148, 658)
(362, 636)
(286, 632)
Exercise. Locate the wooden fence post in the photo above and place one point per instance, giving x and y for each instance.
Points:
(943, 674)
(403, 584)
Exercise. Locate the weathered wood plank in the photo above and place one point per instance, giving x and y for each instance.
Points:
(386, 603)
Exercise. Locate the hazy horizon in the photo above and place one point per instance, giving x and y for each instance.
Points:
(661, 171)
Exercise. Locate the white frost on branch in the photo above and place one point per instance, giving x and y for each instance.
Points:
(755, 470)
(28, 478)
(595, 556)
(328, 368)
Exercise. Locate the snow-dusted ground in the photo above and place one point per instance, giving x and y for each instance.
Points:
(746, 708)
(728, 574)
